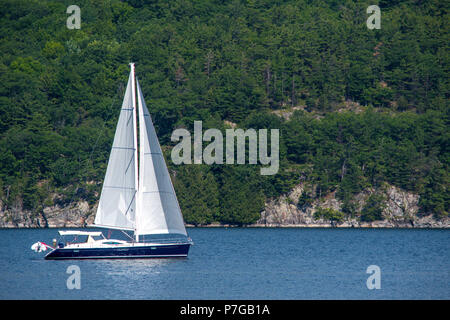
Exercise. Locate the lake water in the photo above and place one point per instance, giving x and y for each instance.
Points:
(243, 263)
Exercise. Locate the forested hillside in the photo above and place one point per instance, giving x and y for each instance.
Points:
(356, 108)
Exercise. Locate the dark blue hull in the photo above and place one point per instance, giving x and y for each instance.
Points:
(129, 252)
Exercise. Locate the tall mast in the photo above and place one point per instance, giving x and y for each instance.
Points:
(136, 171)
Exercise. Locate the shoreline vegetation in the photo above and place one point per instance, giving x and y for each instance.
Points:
(393, 208)
(262, 226)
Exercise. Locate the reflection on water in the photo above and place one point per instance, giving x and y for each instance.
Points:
(124, 267)
(239, 263)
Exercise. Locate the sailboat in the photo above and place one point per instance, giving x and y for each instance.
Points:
(136, 196)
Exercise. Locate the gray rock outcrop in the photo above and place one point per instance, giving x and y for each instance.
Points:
(401, 210)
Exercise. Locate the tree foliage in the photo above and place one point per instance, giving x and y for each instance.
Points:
(238, 61)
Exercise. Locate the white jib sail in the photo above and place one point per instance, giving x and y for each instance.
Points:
(117, 205)
(158, 208)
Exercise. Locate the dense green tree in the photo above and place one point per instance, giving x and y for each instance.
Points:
(197, 193)
(373, 208)
(241, 199)
(239, 61)
(329, 214)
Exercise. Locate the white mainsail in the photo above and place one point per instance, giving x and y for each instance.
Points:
(147, 205)
(117, 205)
(158, 208)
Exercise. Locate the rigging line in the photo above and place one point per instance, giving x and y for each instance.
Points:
(95, 144)
(129, 163)
(127, 235)
(131, 202)
(129, 119)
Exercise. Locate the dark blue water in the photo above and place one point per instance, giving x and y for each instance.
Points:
(235, 263)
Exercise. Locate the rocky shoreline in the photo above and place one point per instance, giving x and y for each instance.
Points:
(400, 211)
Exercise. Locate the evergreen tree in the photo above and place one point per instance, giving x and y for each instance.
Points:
(197, 194)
